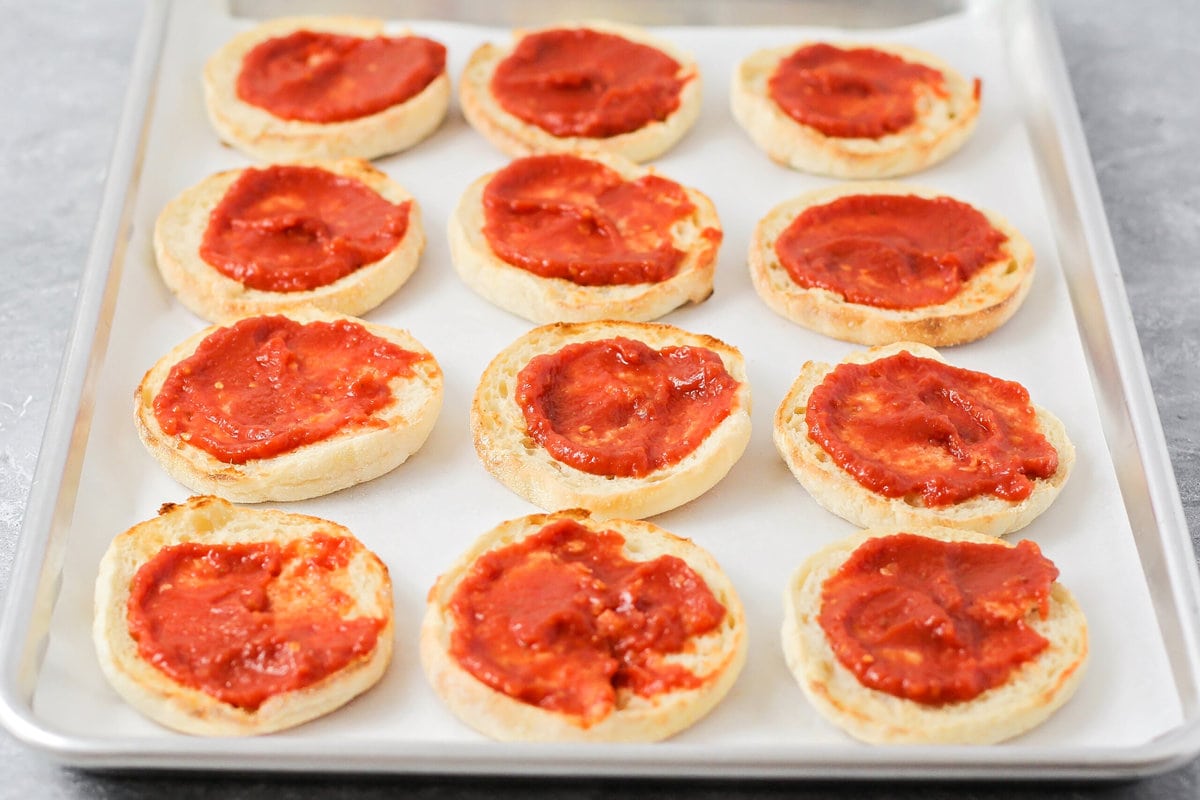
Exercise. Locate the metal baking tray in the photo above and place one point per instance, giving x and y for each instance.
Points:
(1117, 532)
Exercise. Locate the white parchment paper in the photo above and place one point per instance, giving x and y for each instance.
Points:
(759, 523)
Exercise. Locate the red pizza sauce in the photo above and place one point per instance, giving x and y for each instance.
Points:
(936, 622)
(561, 216)
(246, 622)
(617, 407)
(563, 620)
(916, 428)
(581, 82)
(293, 228)
(268, 385)
(889, 251)
(858, 93)
(308, 76)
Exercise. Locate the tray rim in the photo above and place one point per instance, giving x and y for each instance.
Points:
(35, 579)
(69, 416)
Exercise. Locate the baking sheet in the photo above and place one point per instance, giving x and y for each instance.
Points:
(758, 522)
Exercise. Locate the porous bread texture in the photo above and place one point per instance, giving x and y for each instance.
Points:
(1034, 691)
(179, 232)
(344, 459)
(515, 137)
(543, 300)
(259, 133)
(508, 451)
(716, 657)
(987, 300)
(837, 491)
(210, 520)
(941, 127)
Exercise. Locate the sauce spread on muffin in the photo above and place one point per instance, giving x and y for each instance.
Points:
(917, 428)
(311, 76)
(294, 228)
(859, 92)
(582, 82)
(268, 385)
(564, 620)
(889, 251)
(932, 621)
(617, 407)
(245, 622)
(562, 216)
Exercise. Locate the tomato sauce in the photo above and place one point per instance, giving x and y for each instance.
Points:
(889, 251)
(936, 622)
(561, 216)
(855, 93)
(246, 622)
(581, 82)
(311, 76)
(268, 385)
(913, 427)
(289, 228)
(563, 620)
(618, 407)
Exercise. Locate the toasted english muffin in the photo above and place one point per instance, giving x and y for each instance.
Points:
(986, 301)
(941, 126)
(350, 456)
(837, 491)
(358, 588)
(543, 299)
(714, 657)
(263, 135)
(508, 451)
(1034, 690)
(212, 295)
(517, 137)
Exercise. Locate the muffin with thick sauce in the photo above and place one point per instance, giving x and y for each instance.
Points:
(326, 87)
(571, 238)
(582, 87)
(338, 236)
(854, 110)
(876, 263)
(895, 435)
(933, 635)
(623, 419)
(223, 621)
(560, 627)
(288, 406)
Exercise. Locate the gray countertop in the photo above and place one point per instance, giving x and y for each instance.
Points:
(1134, 67)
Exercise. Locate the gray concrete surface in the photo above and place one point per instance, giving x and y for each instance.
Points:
(1134, 67)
